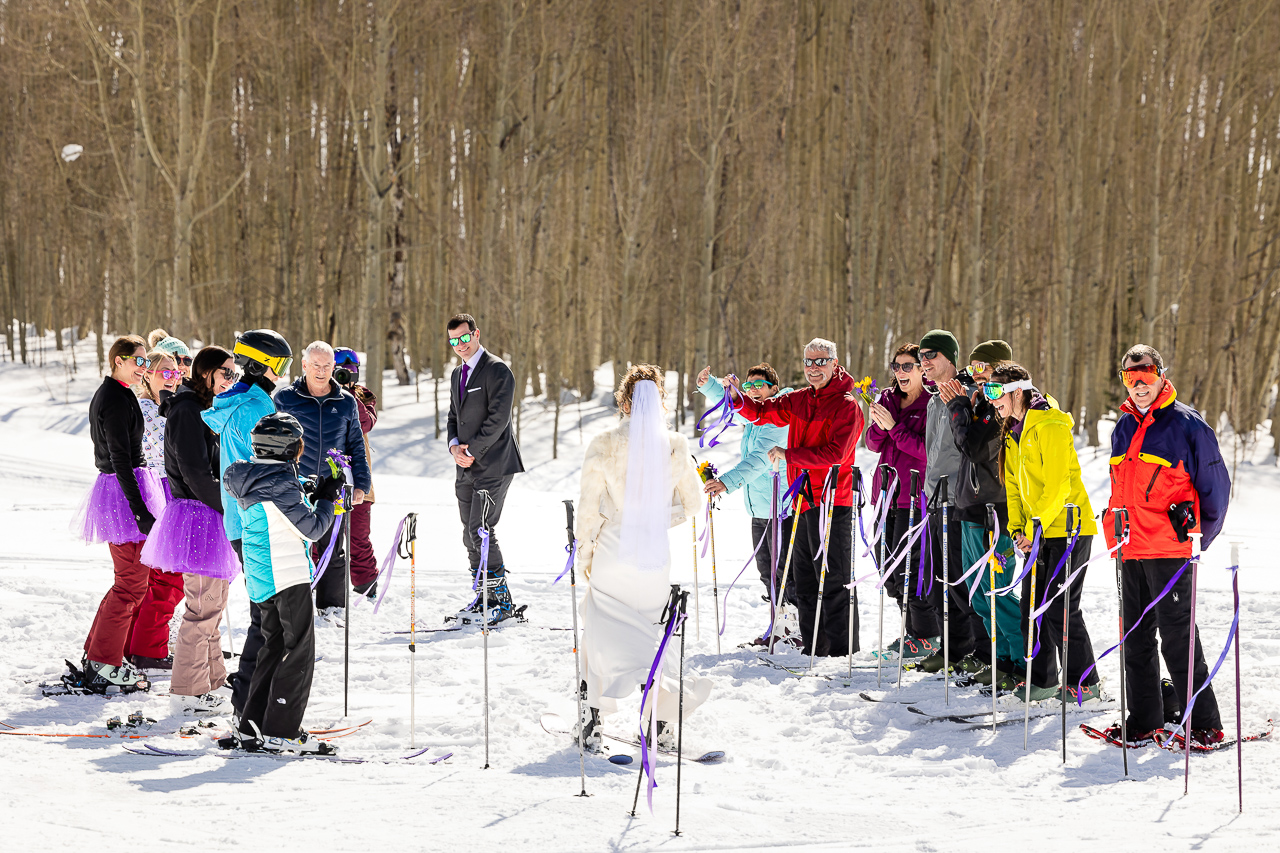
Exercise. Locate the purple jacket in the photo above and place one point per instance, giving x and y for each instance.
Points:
(903, 446)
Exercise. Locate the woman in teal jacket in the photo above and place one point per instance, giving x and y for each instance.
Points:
(754, 472)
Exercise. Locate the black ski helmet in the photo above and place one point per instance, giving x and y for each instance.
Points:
(259, 349)
(277, 437)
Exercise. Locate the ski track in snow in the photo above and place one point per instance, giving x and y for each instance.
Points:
(810, 765)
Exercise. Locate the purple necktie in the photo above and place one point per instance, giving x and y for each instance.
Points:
(462, 386)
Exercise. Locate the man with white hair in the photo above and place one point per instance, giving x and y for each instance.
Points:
(330, 419)
(822, 430)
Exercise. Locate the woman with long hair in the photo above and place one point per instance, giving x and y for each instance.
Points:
(189, 536)
(119, 509)
(1041, 476)
(638, 480)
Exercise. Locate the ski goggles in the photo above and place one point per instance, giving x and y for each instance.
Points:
(817, 362)
(996, 390)
(462, 339)
(168, 375)
(1144, 373)
(278, 363)
(903, 366)
(757, 383)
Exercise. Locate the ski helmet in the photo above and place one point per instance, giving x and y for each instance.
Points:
(257, 350)
(277, 437)
(346, 365)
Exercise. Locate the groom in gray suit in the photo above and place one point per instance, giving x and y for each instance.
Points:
(481, 394)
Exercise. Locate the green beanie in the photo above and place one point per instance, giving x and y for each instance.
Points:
(992, 352)
(173, 346)
(944, 342)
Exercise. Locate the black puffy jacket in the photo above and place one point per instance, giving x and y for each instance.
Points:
(116, 427)
(976, 430)
(190, 449)
(328, 423)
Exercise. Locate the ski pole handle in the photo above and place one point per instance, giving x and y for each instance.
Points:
(568, 515)
(915, 484)
(857, 488)
(1071, 518)
(942, 489)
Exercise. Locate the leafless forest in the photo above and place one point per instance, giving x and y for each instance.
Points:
(676, 181)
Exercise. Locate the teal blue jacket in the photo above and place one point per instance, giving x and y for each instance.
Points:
(754, 471)
(233, 416)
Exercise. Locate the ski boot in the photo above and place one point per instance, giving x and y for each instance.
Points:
(105, 679)
(300, 744)
(501, 608)
(250, 741)
(589, 726)
(207, 703)
(666, 738)
(142, 662)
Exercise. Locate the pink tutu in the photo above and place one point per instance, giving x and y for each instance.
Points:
(189, 537)
(105, 514)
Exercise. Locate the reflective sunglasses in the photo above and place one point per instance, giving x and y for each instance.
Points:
(903, 366)
(183, 360)
(139, 360)
(1143, 373)
(462, 339)
(817, 362)
(229, 373)
(757, 383)
(976, 367)
(168, 375)
(996, 390)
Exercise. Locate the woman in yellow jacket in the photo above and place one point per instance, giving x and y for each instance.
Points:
(1041, 476)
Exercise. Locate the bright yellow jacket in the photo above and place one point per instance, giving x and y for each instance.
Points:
(1042, 476)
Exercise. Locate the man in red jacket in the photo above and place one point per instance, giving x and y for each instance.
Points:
(822, 430)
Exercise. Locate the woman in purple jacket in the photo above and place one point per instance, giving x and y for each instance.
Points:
(895, 430)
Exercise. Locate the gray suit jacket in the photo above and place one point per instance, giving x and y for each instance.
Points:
(483, 419)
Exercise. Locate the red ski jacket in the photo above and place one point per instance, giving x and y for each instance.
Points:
(1162, 458)
(822, 430)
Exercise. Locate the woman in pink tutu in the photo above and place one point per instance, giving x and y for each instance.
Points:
(120, 509)
(189, 536)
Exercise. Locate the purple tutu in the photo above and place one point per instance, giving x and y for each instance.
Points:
(189, 538)
(168, 492)
(105, 514)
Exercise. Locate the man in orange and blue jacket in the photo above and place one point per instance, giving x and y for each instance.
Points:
(1168, 473)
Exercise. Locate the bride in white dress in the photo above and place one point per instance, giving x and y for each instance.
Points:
(638, 480)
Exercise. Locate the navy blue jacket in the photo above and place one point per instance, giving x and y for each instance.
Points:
(329, 422)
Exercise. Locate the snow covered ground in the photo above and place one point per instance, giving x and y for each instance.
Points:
(810, 764)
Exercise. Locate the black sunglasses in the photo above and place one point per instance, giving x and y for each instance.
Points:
(903, 366)
(817, 362)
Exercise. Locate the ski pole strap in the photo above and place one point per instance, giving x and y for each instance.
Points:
(784, 504)
(572, 548)
(648, 763)
(1038, 615)
(924, 540)
(909, 540)
(724, 606)
(1133, 627)
(328, 552)
(723, 411)
(1044, 605)
(705, 536)
(982, 561)
(484, 553)
(388, 565)
(1231, 635)
(1027, 564)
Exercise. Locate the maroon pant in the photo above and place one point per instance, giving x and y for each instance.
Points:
(149, 633)
(110, 631)
(364, 565)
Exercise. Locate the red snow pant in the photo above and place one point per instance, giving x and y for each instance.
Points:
(364, 565)
(111, 627)
(149, 633)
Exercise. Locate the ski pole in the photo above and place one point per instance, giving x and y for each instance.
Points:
(715, 587)
(1235, 592)
(1191, 663)
(411, 537)
(775, 546)
(683, 604)
(1066, 629)
(577, 662)
(1120, 518)
(697, 605)
(829, 490)
(1031, 639)
(946, 596)
(786, 568)
(483, 494)
(853, 555)
(346, 592)
(991, 594)
(906, 569)
(885, 472)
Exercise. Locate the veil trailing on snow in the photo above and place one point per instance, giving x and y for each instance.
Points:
(646, 504)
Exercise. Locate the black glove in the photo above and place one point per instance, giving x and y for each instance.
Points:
(328, 489)
(145, 522)
(308, 486)
(1183, 517)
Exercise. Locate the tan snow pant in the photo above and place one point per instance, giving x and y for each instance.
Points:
(197, 658)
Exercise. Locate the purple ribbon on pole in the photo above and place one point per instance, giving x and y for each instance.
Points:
(1027, 564)
(1132, 628)
(924, 532)
(1066, 584)
(1039, 614)
(724, 411)
(568, 564)
(343, 462)
(981, 560)
(1185, 725)
(784, 504)
(388, 566)
(645, 762)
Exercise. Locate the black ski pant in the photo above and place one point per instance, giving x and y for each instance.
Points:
(1142, 580)
(763, 527)
(921, 620)
(471, 509)
(249, 652)
(961, 619)
(281, 684)
(832, 638)
(331, 590)
(1079, 656)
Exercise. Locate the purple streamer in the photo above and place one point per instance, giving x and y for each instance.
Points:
(710, 437)
(1039, 611)
(388, 566)
(1048, 586)
(924, 540)
(568, 564)
(647, 767)
(1132, 628)
(1184, 726)
(344, 462)
(1027, 564)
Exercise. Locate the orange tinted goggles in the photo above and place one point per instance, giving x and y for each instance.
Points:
(1144, 373)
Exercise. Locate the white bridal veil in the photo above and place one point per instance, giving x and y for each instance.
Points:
(646, 507)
